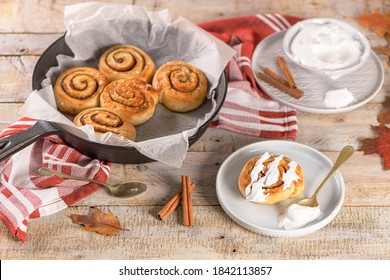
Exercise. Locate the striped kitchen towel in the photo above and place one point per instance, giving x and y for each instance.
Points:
(247, 109)
(24, 194)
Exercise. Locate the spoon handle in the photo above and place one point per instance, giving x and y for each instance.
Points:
(344, 155)
(47, 172)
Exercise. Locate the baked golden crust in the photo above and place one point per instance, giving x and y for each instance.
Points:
(78, 88)
(126, 61)
(181, 86)
(103, 120)
(276, 192)
(132, 99)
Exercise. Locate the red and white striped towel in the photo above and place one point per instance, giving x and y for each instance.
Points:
(24, 194)
(247, 109)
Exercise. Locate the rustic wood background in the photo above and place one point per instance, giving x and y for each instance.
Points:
(360, 231)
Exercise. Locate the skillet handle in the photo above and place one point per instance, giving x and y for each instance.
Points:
(16, 142)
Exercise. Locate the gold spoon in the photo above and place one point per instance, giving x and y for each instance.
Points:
(121, 190)
(345, 154)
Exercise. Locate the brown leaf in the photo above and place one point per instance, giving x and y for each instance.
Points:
(98, 221)
(377, 22)
(369, 146)
(385, 49)
(379, 145)
(386, 103)
(384, 117)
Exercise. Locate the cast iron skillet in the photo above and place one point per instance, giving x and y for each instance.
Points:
(42, 128)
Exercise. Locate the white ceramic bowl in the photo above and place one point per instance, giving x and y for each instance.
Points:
(293, 31)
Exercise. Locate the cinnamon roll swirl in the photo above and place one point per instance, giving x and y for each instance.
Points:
(182, 87)
(132, 99)
(78, 88)
(104, 120)
(126, 61)
(269, 179)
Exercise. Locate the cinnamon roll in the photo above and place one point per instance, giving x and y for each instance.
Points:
(126, 61)
(182, 87)
(78, 88)
(132, 99)
(269, 179)
(104, 120)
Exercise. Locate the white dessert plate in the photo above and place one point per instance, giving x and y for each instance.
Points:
(264, 218)
(364, 83)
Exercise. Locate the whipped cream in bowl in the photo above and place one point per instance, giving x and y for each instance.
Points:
(327, 46)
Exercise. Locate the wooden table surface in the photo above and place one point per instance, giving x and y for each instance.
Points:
(360, 231)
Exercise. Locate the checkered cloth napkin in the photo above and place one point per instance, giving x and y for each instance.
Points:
(247, 108)
(24, 194)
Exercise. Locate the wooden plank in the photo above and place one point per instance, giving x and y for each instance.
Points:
(9, 113)
(16, 16)
(356, 233)
(15, 77)
(35, 16)
(26, 43)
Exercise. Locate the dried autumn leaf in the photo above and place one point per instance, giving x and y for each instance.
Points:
(386, 103)
(384, 117)
(384, 49)
(379, 145)
(377, 22)
(369, 146)
(98, 221)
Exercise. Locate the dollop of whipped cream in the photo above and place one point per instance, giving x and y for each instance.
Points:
(338, 98)
(326, 46)
(255, 191)
(297, 216)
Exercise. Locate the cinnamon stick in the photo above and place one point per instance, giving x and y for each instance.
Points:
(171, 205)
(275, 76)
(186, 201)
(294, 92)
(286, 71)
(189, 202)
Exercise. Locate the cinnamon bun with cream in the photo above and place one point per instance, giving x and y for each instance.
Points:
(269, 179)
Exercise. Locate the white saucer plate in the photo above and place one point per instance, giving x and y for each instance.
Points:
(364, 83)
(264, 218)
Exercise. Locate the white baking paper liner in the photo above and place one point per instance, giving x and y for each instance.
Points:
(93, 27)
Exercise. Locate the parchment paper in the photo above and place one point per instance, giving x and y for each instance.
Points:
(93, 27)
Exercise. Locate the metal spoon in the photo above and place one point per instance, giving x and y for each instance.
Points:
(121, 190)
(345, 154)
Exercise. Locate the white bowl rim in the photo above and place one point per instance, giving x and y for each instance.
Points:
(294, 29)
